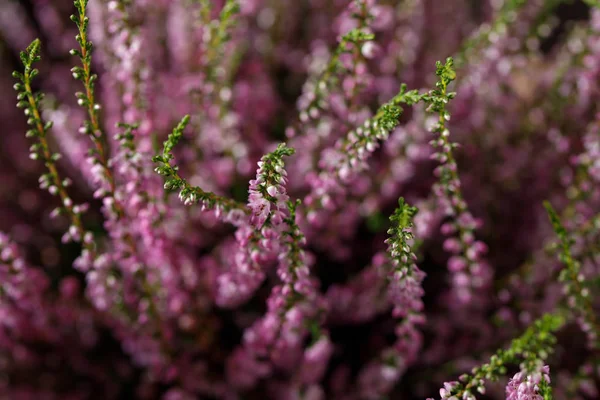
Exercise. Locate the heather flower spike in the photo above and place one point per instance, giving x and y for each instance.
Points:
(87, 99)
(267, 195)
(231, 210)
(355, 39)
(405, 278)
(576, 287)
(40, 150)
(259, 238)
(350, 154)
(294, 308)
(405, 294)
(470, 272)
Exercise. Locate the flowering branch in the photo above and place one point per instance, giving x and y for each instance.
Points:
(315, 97)
(349, 155)
(533, 346)
(130, 69)
(578, 295)
(190, 194)
(405, 292)
(51, 181)
(259, 237)
(294, 303)
(218, 33)
(469, 270)
(87, 99)
(405, 279)
(359, 143)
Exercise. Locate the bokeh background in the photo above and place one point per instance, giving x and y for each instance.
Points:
(526, 99)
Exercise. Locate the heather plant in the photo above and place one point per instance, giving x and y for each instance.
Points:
(250, 199)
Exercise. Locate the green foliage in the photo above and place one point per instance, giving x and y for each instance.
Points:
(219, 33)
(386, 119)
(439, 97)
(295, 239)
(536, 344)
(400, 241)
(575, 284)
(545, 390)
(86, 98)
(272, 164)
(187, 193)
(40, 149)
(350, 43)
(402, 219)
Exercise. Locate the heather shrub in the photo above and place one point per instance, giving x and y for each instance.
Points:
(299, 199)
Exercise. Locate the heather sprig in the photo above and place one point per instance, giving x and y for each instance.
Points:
(532, 348)
(405, 277)
(30, 102)
(218, 34)
(259, 236)
(113, 206)
(470, 273)
(217, 61)
(191, 194)
(294, 306)
(316, 92)
(217, 53)
(579, 295)
(405, 293)
(128, 65)
(87, 99)
(348, 157)
(362, 141)
(330, 100)
(294, 273)
(489, 33)
(293, 256)
(358, 43)
(267, 192)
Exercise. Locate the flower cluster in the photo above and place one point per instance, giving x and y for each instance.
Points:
(259, 238)
(533, 387)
